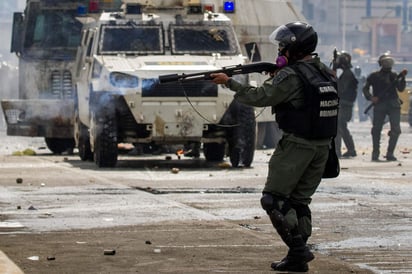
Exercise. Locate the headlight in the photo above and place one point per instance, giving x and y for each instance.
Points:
(123, 80)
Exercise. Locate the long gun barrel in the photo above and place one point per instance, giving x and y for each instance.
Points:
(259, 67)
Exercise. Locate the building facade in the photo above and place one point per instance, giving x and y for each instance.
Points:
(365, 27)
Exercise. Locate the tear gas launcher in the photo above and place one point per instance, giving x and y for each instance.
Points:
(259, 67)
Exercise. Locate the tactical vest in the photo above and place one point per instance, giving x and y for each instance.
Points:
(317, 118)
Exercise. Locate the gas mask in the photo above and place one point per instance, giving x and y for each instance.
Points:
(281, 59)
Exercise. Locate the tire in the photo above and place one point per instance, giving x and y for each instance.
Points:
(242, 138)
(214, 152)
(82, 139)
(60, 145)
(105, 150)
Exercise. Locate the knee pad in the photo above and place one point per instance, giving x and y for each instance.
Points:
(271, 202)
(267, 202)
(394, 133)
(304, 216)
(277, 208)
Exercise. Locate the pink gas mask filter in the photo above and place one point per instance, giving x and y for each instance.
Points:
(281, 61)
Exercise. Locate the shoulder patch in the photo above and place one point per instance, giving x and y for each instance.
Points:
(280, 76)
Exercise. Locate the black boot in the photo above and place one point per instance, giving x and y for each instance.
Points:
(285, 265)
(297, 259)
(376, 138)
(393, 139)
(295, 262)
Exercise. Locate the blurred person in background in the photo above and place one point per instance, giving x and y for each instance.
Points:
(385, 85)
(360, 98)
(347, 91)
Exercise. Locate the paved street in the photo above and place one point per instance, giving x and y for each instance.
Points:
(205, 218)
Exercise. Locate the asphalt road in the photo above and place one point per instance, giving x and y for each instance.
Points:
(204, 218)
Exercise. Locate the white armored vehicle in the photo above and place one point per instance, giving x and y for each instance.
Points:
(119, 98)
(45, 38)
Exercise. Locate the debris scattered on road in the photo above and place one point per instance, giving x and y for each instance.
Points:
(109, 252)
(33, 258)
(251, 227)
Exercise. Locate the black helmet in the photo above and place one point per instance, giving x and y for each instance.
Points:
(386, 61)
(343, 60)
(298, 38)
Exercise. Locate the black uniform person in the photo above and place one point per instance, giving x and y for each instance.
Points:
(347, 89)
(307, 114)
(385, 83)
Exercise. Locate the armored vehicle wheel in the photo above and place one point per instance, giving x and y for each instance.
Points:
(60, 145)
(82, 139)
(85, 152)
(214, 152)
(104, 136)
(242, 138)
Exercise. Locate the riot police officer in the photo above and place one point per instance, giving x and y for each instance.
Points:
(385, 83)
(347, 91)
(308, 119)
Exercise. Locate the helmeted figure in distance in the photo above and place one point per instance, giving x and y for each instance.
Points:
(385, 85)
(347, 91)
(360, 98)
(307, 115)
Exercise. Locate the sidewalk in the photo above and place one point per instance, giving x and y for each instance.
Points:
(7, 266)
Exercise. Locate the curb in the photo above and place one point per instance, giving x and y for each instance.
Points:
(7, 266)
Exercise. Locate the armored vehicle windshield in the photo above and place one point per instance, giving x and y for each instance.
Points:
(202, 39)
(185, 38)
(131, 38)
(52, 34)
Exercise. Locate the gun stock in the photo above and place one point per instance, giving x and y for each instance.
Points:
(259, 67)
